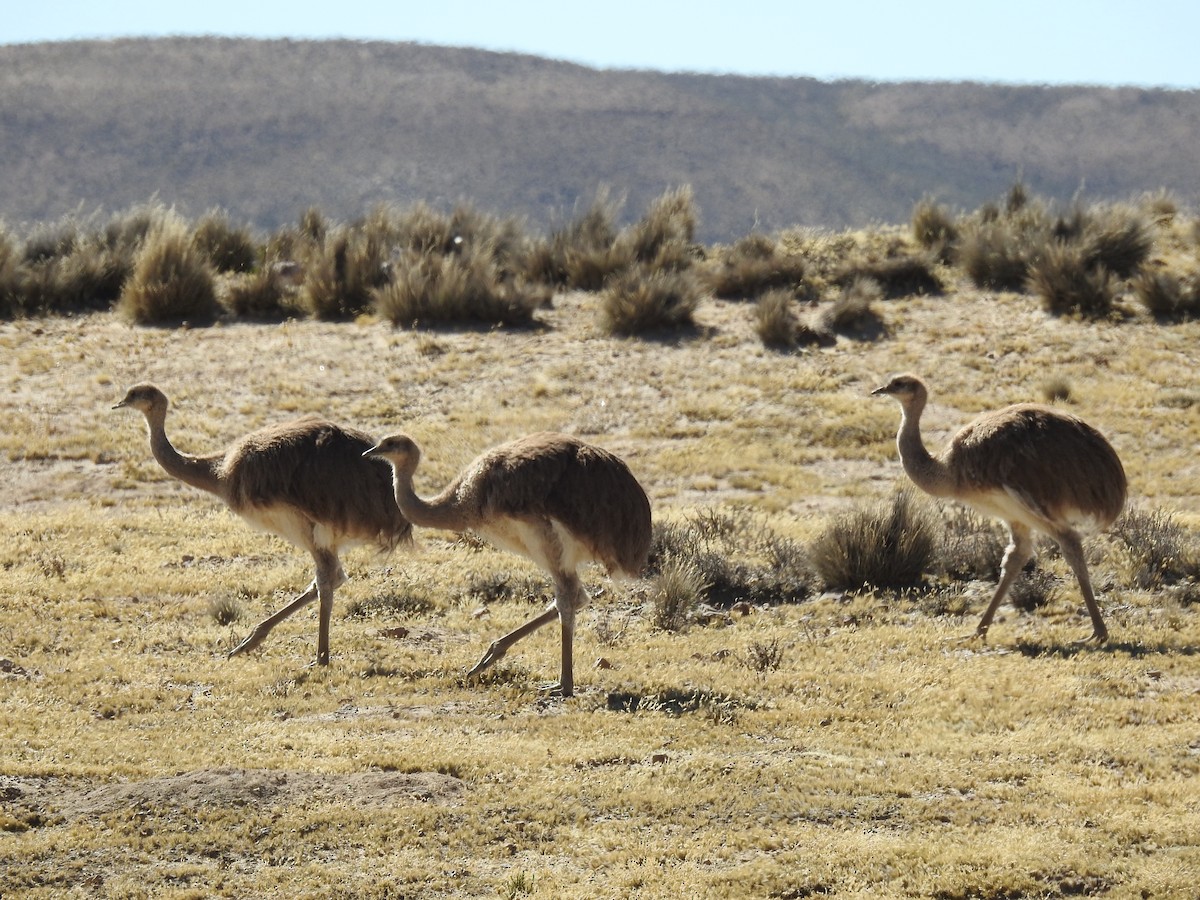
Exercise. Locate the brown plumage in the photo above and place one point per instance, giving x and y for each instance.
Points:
(550, 498)
(305, 481)
(1033, 467)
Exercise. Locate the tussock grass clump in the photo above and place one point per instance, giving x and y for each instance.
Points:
(171, 279)
(1166, 295)
(737, 556)
(228, 247)
(457, 288)
(259, 295)
(933, 227)
(662, 239)
(903, 275)
(340, 278)
(853, 312)
(580, 254)
(888, 547)
(775, 319)
(1066, 282)
(678, 589)
(644, 299)
(972, 547)
(12, 276)
(753, 266)
(412, 602)
(1160, 551)
(1117, 239)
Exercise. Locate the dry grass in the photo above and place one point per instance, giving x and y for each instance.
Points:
(835, 746)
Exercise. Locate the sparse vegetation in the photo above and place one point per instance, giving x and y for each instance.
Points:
(143, 763)
(888, 547)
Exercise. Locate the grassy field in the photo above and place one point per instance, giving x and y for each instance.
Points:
(845, 745)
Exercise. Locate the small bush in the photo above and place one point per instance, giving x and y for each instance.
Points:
(579, 255)
(897, 276)
(853, 311)
(259, 295)
(171, 279)
(972, 547)
(642, 300)
(775, 318)
(764, 656)
(1117, 240)
(1166, 295)
(1033, 588)
(933, 227)
(340, 279)
(753, 266)
(466, 288)
(662, 238)
(885, 547)
(228, 248)
(1160, 550)
(678, 589)
(994, 255)
(1067, 283)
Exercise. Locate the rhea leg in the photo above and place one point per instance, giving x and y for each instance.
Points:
(500, 646)
(1018, 552)
(263, 628)
(314, 590)
(1072, 550)
(330, 576)
(567, 599)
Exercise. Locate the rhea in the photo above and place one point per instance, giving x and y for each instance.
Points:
(306, 481)
(549, 497)
(1034, 468)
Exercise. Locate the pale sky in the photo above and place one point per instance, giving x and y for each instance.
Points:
(1150, 43)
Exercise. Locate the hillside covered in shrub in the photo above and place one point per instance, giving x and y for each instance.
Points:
(266, 129)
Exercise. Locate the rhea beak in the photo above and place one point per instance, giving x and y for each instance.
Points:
(879, 390)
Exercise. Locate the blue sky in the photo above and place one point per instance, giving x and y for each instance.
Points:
(1148, 43)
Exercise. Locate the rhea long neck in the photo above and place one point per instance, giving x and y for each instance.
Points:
(927, 472)
(440, 512)
(199, 472)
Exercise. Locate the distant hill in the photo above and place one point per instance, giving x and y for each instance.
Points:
(265, 129)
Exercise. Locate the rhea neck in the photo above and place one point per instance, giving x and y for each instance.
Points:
(436, 513)
(926, 471)
(199, 472)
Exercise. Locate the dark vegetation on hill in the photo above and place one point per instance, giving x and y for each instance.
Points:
(265, 130)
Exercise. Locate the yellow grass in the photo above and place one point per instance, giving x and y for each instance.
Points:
(881, 759)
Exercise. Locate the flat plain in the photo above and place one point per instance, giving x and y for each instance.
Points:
(878, 758)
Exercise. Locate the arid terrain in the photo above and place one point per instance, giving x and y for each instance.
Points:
(845, 745)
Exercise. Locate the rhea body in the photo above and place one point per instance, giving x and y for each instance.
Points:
(1035, 468)
(549, 497)
(306, 481)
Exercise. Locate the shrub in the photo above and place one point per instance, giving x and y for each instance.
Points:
(883, 547)
(259, 295)
(579, 255)
(737, 556)
(1116, 239)
(853, 311)
(972, 547)
(994, 255)
(1066, 283)
(662, 238)
(171, 279)
(1166, 295)
(677, 590)
(642, 300)
(12, 275)
(775, 320)
(896, 276)
(229, 249)
(458, 288)
(933, 227)
(1033, 588)
(340, 279)
(1160, 550)
(752, 266)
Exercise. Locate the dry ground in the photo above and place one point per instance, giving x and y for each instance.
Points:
(878, 760)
